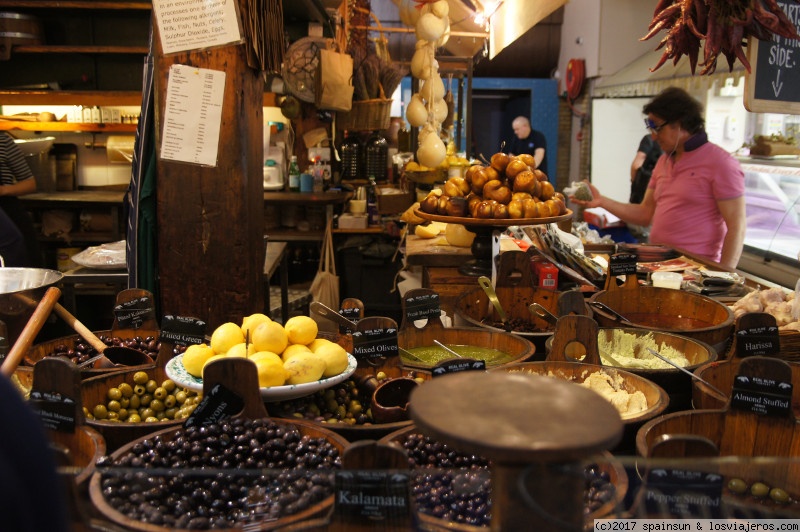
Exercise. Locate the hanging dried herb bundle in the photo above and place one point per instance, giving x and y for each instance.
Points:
(724, 25)
(262, 22)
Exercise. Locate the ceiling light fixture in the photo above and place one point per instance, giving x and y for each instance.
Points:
(484, 12)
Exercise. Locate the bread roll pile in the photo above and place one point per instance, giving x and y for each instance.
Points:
(510, 187)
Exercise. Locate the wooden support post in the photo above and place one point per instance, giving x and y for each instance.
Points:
(211, 219)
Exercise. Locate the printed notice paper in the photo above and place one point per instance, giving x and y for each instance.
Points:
(193, 115)
(191, 24)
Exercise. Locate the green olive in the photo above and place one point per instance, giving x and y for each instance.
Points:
(100, 412)
(151, 386)
(145, 399)
(113, 416)
(125, 389)
(737, 485)
(114, 406)
(134, 418)
(135, 402)
(151, 419)
(157, 405)
(147, 412)
(779, 495)
(168, 385)
(140, 377)
(180, 397)
(114, 394)
(759, 489)
(170, 413)
(159, 393)
(139, 390)
(170, 401)
(123, 414)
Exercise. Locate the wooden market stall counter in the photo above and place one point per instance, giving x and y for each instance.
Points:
(440, 262)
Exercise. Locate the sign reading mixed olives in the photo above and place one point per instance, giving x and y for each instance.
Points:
(511, 187)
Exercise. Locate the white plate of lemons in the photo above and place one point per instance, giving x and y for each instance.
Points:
(291, 361)
(177, 372)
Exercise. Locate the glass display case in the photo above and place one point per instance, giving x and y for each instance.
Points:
(772, 194)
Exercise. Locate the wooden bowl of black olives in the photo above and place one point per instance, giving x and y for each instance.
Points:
(258, 474)
(78, 350)
(461, 499)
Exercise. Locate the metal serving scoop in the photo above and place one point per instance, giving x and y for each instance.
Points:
(486, 284)
(692, 375)
(541, 312)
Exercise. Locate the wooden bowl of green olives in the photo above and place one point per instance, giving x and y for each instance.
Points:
(462, 500)
(128, 404)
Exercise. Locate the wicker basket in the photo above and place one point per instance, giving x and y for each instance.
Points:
(790, 346)
(366, 115)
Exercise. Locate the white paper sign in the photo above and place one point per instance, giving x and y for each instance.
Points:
(193, 115)
(191, 24)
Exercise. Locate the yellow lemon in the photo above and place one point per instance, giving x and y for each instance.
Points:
(335, 358)
(261, 355)
(241, 350)
(317, 343)
(252, 321)
(301, 329)
(270, 371)
(195, 357)
(303, 368)
(292, 350)
(270, 336)
(226, 336)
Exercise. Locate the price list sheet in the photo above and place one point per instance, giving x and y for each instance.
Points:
(193, 115)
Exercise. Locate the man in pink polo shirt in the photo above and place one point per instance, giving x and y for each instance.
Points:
(695, 198)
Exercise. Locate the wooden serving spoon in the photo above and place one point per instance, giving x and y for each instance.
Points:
(29, 332)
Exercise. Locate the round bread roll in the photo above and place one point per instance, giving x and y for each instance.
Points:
(500, 211)
(430, 204)
(530, 209)
(499, 161)
(478, 179)
(525, 182)
(528, 159)
(496, 190)
(547, 190)
(516, 208)
(515, 166)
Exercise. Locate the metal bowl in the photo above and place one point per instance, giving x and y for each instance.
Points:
(20, 292)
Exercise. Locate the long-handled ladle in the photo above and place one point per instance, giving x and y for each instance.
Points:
(692, 375)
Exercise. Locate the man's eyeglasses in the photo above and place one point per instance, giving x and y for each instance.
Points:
(649, 124)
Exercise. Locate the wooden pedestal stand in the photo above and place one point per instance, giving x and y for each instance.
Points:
(535, 430)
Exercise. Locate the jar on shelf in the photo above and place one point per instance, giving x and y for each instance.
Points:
(377, 155)
(351, 156)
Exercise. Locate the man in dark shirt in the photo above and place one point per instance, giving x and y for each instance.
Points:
(528, 140)
(642, 167)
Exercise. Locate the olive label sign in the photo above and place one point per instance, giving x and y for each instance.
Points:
(683, 493)
(457, 365)
(131, 314)
(372, 496)
(352, 314)
(422, 307)
(375, 343)
(182, 330)
(758, 341)
(761, 396)
(55, 411)
(622, 264)
(221, 403)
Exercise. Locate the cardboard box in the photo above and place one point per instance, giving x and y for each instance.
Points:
(599, 217)
(353, 221)
(547, 275)
(393, 200)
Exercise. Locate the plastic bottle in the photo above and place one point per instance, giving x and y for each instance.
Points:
(294, 175)
(373, 216)
(351, 157)
(377, 154)
(317, 173)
